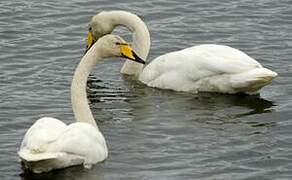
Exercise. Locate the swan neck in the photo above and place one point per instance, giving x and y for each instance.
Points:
(141, 39)
(79, 99)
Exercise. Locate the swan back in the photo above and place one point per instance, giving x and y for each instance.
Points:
(40, 135)
(51, 144)
(210, 67)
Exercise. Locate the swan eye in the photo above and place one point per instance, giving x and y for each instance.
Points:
(90, 28)
(119, 43)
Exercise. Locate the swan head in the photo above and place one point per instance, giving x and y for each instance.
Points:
(100, 25)
(113, 45)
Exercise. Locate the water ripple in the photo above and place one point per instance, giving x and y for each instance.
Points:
(152, 134)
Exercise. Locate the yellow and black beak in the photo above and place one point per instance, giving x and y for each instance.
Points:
(90, 41)
(127, 52)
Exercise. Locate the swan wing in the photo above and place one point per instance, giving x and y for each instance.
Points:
(41, 134)
(84, 140)
(200, 61)
(219, 58)
(181, 70)
(51, 139)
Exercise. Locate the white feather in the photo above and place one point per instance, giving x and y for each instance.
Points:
(211, 68)
(50, 140)
(51, 144)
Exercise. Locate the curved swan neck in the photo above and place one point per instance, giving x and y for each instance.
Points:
(79, 100)
(141, 38)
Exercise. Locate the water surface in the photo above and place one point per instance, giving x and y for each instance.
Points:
(151, 134)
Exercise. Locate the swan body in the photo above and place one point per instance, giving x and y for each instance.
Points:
(202, 68)
(207, 68)
(51, 144)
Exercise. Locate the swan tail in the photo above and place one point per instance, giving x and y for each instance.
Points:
(252, 81)
(28, 156)
(47, 161)
(37, 162)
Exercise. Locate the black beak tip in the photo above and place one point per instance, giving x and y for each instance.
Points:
(88, 47)
(86, 50)
(138, 59)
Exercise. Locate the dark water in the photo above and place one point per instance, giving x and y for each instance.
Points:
(151, 134)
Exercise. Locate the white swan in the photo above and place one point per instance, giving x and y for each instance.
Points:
(49, 143)
(209, 68)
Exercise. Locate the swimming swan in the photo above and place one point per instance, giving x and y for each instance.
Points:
(51, 144)
(209, 67)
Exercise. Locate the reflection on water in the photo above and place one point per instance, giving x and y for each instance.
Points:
(76, 172)
(227, 107)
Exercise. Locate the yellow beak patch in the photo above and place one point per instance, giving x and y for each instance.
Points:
(90, 40)
(127, 51)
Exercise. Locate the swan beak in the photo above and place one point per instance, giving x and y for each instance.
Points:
(90, 41)
(127, 52)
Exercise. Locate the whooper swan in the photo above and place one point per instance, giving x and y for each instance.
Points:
(208, 67)
(51, 144)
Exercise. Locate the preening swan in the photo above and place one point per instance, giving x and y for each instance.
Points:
(209, 67)
(51, 144)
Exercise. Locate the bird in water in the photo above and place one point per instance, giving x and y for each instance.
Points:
(51, 144)
(201, 68)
